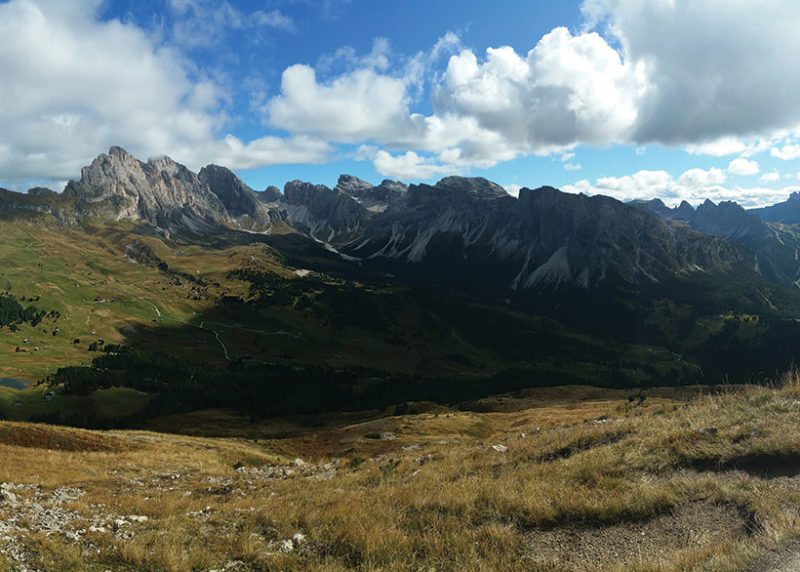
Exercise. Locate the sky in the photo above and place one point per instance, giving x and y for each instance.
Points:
(635, 99)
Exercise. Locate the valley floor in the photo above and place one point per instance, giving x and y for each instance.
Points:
(559, 479)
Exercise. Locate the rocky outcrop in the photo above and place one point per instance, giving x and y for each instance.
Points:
(324, 214)
(237, 198)
(246, 208)
(160, 191)
(375, 199)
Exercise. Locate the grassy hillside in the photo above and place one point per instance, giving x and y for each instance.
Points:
(224, 315)
(556, 479)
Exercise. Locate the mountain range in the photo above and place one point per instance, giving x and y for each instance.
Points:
(465, 228)
(443, 292)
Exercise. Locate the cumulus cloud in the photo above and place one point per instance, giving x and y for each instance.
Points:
(406, 166)
(357, 106)
(707, 82)
(742, 166)
(572, 166)
(566, 90)
(786, 153)
(700, 179)
(770, 177)
(73, 85)
(569, 89)
(667, 71)
(639, 72)
(693, 186)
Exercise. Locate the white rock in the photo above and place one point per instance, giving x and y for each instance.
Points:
(137, 518)
(500, 448)
(7, 496)
(94, 528)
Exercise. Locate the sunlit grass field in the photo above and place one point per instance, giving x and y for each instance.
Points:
(565, 479)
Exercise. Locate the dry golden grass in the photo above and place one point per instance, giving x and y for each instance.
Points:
(599, 484)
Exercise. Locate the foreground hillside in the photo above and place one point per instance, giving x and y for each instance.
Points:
(568, 479)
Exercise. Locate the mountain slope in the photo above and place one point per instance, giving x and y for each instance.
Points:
(545, 237)
(775, 247)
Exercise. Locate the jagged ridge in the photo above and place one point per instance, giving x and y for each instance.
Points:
(544, 237)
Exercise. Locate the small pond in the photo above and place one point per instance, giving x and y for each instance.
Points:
(14, 382)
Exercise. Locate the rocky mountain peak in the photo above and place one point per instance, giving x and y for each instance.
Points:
(271, 194)
(236, 196)
(161, 191)
(476, 186)
(353, 186)
(323, 213)
(787, 212)
(375, 199)
(165, 163)
(119, 153)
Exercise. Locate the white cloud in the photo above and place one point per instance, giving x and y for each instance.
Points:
(742, 166)
(719, 147)
(378, 59)
(72, 86)
(572, 166)
(358, 106)
(407, 166)
(700, 179)
(639, 185)
(708, 83)
(667, 72)
(204, 23)
(694, 186)
(569, 89)
(268, 151)
(513, 189)
(770, 177)
(271, 19)
(786, 153)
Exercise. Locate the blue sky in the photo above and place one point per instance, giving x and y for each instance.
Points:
(676, 99)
